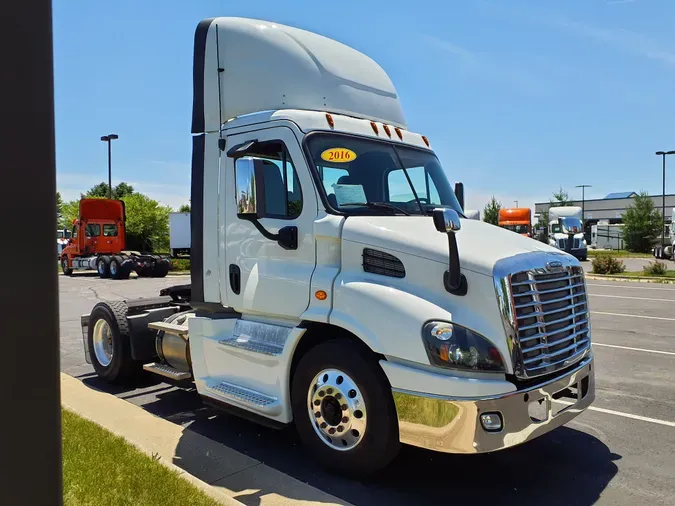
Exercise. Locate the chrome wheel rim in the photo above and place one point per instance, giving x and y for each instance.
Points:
(101, 267)
(103, 342)
(337, 410)
(113, 267)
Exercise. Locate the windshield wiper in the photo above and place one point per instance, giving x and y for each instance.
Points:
(376, 205)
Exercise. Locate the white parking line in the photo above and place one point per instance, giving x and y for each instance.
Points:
(625, 415)
(625, 297)
(635, 349)
(634, 287)
(635, 316)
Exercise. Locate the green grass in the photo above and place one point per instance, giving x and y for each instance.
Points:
(101, 469)
(670, 274)
(618, 253)
(418, 410)
(180, 264)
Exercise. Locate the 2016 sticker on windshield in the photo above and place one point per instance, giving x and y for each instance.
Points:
(338, 155)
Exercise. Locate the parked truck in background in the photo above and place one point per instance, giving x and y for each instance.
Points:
(561, 221)
(472, 214)
(62, 237)
(607, 236)
(318, 299)
(665, 246)
(98, 242)
(516, 219)
(179, 234)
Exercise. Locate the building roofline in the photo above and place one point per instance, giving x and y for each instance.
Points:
(606, 200)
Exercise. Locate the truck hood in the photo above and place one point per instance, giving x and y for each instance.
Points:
(480, 244)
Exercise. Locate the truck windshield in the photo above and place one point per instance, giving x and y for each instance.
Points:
(518, 229)
(368, 176)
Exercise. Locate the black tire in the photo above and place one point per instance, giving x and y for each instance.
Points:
(126, 270)
(380, 443)
(115, 267)
(161, 268)
(103, 266)
(121, 367)
(67, 271)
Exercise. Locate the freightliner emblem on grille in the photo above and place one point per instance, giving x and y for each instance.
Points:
(554, 266)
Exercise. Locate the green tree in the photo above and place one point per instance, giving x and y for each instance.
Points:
(491, 211)
(147, 223)
(101, 191)
(560, 198)
(185, 208)
(641, 224)
(69, 212)
(59, 205)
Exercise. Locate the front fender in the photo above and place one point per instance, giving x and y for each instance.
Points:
(389, 319)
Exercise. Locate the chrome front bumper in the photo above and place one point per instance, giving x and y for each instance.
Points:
(453, 425)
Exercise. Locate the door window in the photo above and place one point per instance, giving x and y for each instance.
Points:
(92, 230)
(109, 230)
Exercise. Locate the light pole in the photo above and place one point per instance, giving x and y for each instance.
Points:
(109, 138)
(663, 154)
(516, 203)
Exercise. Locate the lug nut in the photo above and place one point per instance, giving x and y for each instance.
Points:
(331, 430)
(345, 419)
(324, 425)
(329, 391)
(317, 402)
(322, 393)
(317, 414)
(340, 428)
(344, 407)
(338, 396)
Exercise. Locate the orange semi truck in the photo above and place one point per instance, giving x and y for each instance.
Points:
(516, 219)
(98, 242)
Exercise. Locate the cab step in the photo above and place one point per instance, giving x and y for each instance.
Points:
(264, 348)
(167, 371)
(170, 328)
(245, 396)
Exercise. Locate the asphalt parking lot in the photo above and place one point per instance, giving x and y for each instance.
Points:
(620, 451)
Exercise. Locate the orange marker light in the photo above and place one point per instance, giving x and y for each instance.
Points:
(426, 141)
(398, 132)
(330, 120)
(386, 129)
(321, 295)
(375, 129)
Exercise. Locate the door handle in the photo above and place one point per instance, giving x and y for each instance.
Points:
(235, 278)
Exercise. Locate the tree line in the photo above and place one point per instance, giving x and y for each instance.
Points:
(642, 222)
(147, 225)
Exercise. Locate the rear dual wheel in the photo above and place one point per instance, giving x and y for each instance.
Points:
(344, 410)
(118, 269)
(109, 344)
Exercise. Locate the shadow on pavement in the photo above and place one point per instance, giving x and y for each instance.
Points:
(563, 467)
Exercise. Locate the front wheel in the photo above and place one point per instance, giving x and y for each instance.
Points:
(343, 409)
(65, 267)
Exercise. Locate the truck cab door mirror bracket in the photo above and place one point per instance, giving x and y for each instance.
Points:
(447, 222)
(287, 237)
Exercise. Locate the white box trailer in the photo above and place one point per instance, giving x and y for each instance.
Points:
(320, 299)
(179, 234)
(607, 236)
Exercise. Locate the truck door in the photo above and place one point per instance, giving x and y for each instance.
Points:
(259, 275)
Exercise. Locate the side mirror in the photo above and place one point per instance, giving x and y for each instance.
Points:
(447, 222)
(250, 189)
(459, 193)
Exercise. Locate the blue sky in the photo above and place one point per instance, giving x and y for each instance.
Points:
(518, 97)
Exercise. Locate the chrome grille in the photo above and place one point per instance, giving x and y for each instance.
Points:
(576, 243)
(544, 305)
(552, 325)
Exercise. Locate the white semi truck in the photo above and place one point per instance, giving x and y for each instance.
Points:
(318, 299)
(566, 232)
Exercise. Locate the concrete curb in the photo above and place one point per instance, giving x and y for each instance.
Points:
(660, 281)
(229, 477)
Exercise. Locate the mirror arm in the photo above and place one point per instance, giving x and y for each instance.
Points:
(287, 237)
(453, 280)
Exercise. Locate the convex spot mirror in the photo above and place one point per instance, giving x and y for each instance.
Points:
(446, 220)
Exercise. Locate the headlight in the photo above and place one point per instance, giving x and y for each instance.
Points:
(452, 346)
